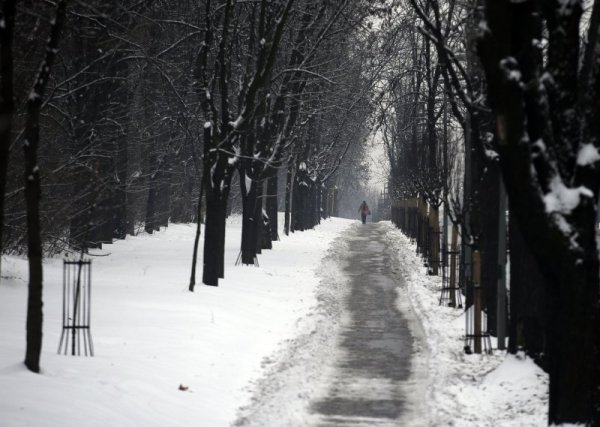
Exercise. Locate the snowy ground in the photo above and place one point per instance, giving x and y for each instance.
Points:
(468, 390)
(151, 335)
(264, 332)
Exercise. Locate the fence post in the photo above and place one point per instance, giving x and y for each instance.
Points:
(501, 307)
(453, 254)
(477, 301)
(435, 239)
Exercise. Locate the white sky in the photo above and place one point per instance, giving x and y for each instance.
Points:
(378, 163)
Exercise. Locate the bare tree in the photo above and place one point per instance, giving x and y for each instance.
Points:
(33, 193)
(547, 126)
(7, 15)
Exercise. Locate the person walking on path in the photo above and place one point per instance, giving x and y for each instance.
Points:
(364, 211)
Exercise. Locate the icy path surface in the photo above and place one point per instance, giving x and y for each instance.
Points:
(362, 363)
(369, 384)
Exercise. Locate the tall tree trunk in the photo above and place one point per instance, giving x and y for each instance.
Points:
(151, 202)
(222, 230)
(120, 197)
(33, 194)
(222, 220)
(34, 242)
(528, 302)
(484, 185)
(539, 142)
(434, 221)
(325, 205)
(573, 324)
(212, 238)
(490, 205)
(164, 198)
(335, 208)
(249, 221)
(317, 212)
(298, 202)
(197, 237)
(272, 202)
(6, 99)
(259, 225)
(289, 185)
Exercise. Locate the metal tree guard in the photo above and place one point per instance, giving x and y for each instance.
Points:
(477, 336)
(451, 294)
(77, 280)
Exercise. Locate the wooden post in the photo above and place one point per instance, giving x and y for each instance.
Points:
(424, 223)
(419, 226)
(454, 252)
(434, 221)
(426, 233)
(406, 207)
(501, 300)
(477, 301)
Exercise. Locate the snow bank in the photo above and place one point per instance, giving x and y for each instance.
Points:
(468, 390)
(295, 372)
(151, 335)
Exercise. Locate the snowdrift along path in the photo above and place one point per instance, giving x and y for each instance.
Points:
(362, 363)
(379, 350)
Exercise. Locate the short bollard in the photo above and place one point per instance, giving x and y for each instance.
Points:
(77, 280)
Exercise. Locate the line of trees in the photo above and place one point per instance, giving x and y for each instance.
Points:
(487, 91)
(135, 114)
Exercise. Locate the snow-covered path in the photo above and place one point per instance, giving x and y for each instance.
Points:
(356, 366)
(379, 350)
(369, 384)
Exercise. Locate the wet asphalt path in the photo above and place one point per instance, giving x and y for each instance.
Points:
(367, 386)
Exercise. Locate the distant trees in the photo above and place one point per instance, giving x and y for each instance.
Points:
(276, 52)
(411, 109)
(153, 110)
(127, 107)
(150, 109)
(119, 123)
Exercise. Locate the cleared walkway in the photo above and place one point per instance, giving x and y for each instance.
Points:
(369, 383)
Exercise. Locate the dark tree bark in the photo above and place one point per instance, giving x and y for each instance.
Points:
(490, 200)
(272, 186)
(483, 206)
(151, 223)
(249, 220)
(541, 116)
(259, 226)
(212, 236)
(6, 97)
(528, 306)
(120, 196)
(483, 200)
(225, 133)
(335, 207)
(289, 185)
(196, 238)
(33, 194)
(300, 203)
